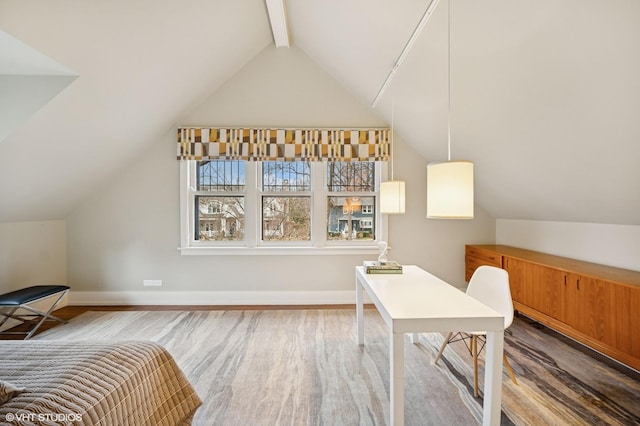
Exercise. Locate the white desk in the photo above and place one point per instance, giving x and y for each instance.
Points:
(418, 302)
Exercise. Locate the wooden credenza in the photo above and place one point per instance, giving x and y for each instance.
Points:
(594, 304)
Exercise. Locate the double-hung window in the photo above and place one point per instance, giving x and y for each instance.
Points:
(291, 206)
(351, 200)
(285, 201)
(219, 201)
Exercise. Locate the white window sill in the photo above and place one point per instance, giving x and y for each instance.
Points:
(277, 251)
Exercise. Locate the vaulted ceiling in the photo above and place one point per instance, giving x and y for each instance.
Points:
(545, 97)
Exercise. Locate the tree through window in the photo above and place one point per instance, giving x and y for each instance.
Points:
(351, 201)
(273, 203)
(220, 201)
(286, 201)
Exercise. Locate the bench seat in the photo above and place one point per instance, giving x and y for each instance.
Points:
(20, 299)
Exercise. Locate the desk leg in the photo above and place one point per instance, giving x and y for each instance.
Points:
(396, 379)
(359, 312)
(493, 378)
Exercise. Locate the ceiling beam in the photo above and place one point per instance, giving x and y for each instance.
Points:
(278, 20)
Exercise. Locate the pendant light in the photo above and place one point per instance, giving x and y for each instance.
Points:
(392, 192)
(450, 183)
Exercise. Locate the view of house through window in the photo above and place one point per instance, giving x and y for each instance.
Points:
(286, 199)
(351, 216)
(220, 214)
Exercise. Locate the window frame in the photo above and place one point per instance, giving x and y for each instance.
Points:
(261, 194)
(252, 244)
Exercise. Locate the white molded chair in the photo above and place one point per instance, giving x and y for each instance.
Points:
(489, 285)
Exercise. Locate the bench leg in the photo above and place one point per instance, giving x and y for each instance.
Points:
(7, 316)
(32, 317)
(46, 315)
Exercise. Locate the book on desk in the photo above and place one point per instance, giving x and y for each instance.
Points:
(377, 267)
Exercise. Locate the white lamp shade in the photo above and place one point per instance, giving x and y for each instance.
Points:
(392, 197)
(450, 190)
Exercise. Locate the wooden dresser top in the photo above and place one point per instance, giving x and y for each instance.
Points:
(593, 270)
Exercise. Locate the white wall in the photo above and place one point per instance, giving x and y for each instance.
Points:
(32, 253)
(614, 245)
(129, 230)
(436, 245)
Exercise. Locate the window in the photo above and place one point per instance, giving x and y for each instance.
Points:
(366, 223)
(232, 204)
(351, 188)
(286, 201)
(219, 201)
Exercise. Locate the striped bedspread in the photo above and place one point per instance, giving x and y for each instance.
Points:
(81, 383)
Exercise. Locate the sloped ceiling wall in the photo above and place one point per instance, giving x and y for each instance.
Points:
(544, 95)
(551, 114)
(140, 64)
(28, 80)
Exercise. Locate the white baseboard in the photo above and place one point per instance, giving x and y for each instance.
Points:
(101, 298)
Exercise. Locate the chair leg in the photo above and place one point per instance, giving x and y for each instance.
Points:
(444, 345)
(474, 346)
(509, 370)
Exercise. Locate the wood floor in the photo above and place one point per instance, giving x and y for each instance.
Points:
(69, 312)
(294, 365)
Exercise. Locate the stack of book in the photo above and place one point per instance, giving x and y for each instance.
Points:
(388, 267)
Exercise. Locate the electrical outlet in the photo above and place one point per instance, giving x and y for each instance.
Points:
(152, 283)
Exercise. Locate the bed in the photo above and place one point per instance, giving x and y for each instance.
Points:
(81, 383)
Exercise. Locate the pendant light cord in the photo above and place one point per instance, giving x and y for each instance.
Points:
(392, 136)
(449, 79)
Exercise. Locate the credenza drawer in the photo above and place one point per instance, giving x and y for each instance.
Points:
(475, 257)
(484, 257)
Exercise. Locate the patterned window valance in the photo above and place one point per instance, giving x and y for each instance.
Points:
(283, 144)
